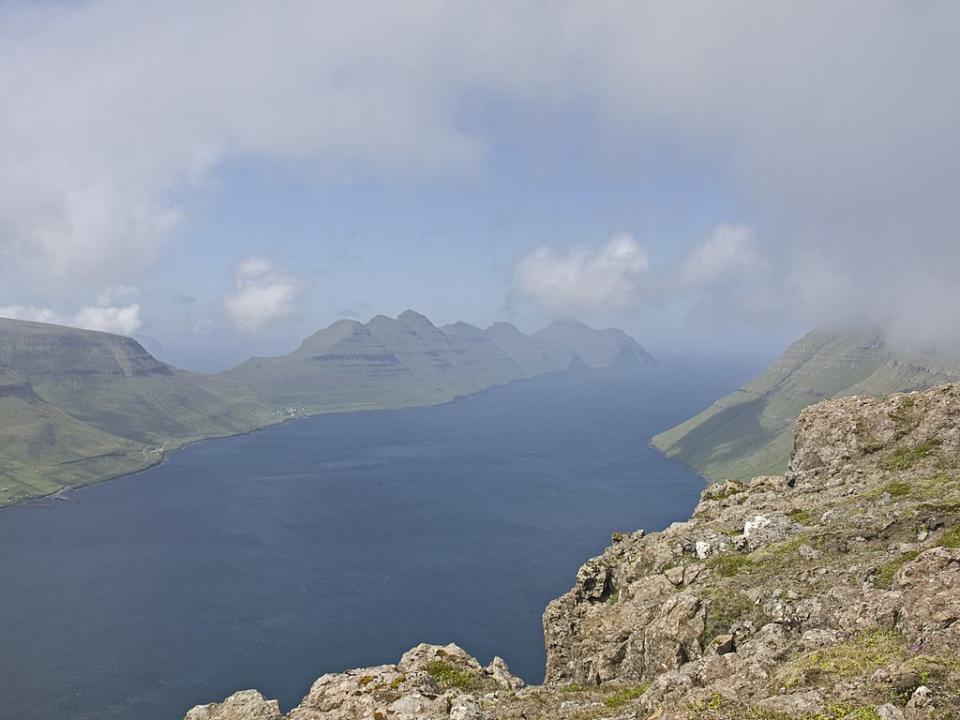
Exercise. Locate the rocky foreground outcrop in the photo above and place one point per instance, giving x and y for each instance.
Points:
(831, 592)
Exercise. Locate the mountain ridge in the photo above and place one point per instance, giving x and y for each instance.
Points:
(408, 360)
(80, 406)
(750, 431)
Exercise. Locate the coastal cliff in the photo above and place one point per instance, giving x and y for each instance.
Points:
(830, 592)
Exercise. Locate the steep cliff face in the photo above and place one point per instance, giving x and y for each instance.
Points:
(830, 592)
(750, 431)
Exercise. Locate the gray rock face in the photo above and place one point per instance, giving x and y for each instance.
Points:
(245, 705)
(832, 592)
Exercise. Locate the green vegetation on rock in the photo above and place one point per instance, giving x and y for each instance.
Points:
(448, 675)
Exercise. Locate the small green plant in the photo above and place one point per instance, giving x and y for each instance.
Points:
(905, 458)
(860, 655)
(450, 676)
(714, 703)
(365, 680)
(574, 688)
(836, 712)
(613, 598)
(951, 538)
(940, 485)
(725, 608)
(897, 489)
(883, 580)
(801, 516)
(782, 555)
(848, 712)
(729, 565)
(623, 696)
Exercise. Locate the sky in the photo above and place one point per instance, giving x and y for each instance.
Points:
(221, 179)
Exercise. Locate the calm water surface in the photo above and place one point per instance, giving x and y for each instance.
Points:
(334, 542)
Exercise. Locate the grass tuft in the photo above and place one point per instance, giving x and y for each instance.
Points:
(625, 695)
(905, 458)
(726, 608)
(729, 565)
(897, 489)
(885, 574)
(951, 538)
(450, 676)
(858, 656)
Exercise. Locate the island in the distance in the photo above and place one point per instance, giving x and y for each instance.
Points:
(78, 407)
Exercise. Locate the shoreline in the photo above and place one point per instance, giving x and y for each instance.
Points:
(189, 442)
(707, 480)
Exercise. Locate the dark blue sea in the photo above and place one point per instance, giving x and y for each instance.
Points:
(265, 560)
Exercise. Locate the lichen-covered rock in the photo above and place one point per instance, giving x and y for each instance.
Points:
(244, 705)
(762, 530)
(832, 591)
(930, 613)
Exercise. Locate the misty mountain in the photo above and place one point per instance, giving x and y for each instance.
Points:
(407, 361)
(750, 431)
(78, 406)
(596, 348)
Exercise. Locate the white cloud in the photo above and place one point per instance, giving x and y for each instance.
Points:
(617, 276)
(34, 314)
(728, 254)
(122, 320)
(608, 278)
(262, 294)
(836, 117)
(115, 294)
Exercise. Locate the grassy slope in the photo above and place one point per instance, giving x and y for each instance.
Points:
(750, 432)
(77, 407)
(407, 361)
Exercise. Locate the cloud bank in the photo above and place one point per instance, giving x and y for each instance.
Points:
(611, 277)
(838, 118)
(262, 294)
(122, 320)
(617, 276)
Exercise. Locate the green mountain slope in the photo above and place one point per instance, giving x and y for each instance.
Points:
(77, 406)
(750, 432)
(407, 361)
